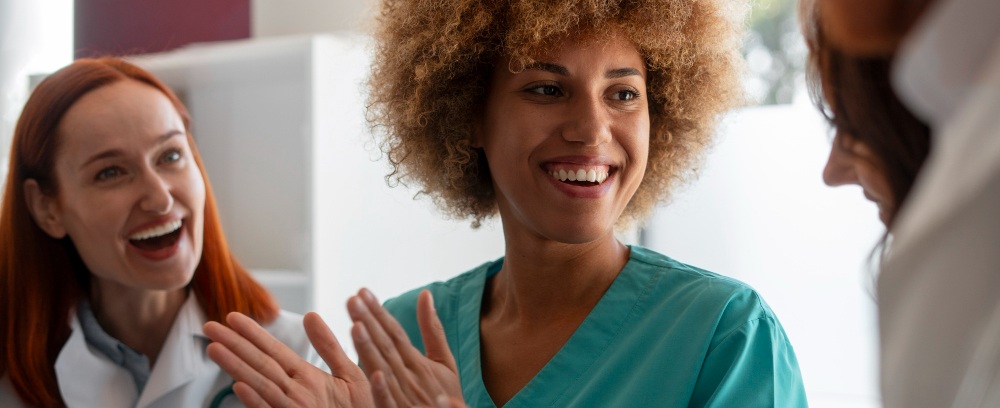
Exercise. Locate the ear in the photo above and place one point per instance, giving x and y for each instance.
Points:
(44, 209)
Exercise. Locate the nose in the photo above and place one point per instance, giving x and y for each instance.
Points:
(156, 194)
(588, 122)
(839, 168)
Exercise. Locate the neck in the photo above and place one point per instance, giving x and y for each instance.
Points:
(542, 282)
(139, 318)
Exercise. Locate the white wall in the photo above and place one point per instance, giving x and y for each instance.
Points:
(760, 213)
(287, 17)
(36, 36)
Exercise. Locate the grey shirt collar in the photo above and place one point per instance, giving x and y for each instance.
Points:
(132, 361)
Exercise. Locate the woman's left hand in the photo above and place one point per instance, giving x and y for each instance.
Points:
(400, 375)
(268, 373)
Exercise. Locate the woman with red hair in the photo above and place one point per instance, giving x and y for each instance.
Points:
(112, 254)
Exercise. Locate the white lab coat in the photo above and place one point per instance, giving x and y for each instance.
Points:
(183, 375)
(939, 291)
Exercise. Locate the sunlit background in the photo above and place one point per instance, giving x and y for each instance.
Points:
(279, 121)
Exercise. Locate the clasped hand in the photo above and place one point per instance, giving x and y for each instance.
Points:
(395, 374)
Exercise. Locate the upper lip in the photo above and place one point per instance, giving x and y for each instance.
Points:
(580, 161)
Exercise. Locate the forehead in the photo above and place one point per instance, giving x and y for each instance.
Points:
(118, 114)
(869, 27)
(580, 52)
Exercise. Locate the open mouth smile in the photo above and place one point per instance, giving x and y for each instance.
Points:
(580, 175)
(158, 237)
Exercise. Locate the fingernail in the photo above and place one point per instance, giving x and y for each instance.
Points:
(369, 296)
(442, 401)
(360, 305)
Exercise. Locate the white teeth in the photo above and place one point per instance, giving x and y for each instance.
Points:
(157, 231)
(593, 175)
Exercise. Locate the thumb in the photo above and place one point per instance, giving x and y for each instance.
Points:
(432, 331)
(329, 349)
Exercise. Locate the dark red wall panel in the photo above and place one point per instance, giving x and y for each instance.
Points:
(120, 27)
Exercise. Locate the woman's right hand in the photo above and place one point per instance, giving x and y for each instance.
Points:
(269, 374)
(400, 375)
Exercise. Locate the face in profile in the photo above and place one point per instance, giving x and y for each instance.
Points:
(567, 138)
(129, 194)
(853, 162)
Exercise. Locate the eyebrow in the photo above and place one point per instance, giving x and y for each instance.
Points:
(561, 70)
(622, 72)
(548, 67)
(117, 152)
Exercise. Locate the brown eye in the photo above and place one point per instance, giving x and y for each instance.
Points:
(547, 90)
(171, 156)
(108, 173)
(626, 95)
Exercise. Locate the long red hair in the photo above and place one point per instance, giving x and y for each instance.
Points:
(43, 278)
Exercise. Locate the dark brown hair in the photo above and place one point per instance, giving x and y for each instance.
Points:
(855, 94)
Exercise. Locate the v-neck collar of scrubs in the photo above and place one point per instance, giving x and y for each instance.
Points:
(623, 300)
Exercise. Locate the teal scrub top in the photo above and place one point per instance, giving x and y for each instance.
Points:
(665, 334)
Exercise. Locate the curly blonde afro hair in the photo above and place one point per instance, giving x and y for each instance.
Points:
(434, 60)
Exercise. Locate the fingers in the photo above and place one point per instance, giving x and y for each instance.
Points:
(373, 361)
(244, 373)
(432, 331)
(380, 391)
(329, 349)
(264, 342)
(248, 396)
(253, 356)
(448, 402)
(403, 363)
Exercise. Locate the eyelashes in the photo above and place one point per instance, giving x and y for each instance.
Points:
(170, 158)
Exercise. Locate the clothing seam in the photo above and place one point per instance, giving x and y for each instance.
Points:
(725, 337)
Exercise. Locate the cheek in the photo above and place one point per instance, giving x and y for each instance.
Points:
(195, 193)
(95, 215)
(636, 143)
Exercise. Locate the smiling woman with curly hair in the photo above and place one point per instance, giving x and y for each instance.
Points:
(567, 119)
(434, 61)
